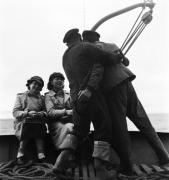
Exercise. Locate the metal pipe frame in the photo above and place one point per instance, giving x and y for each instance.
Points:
(117, 13)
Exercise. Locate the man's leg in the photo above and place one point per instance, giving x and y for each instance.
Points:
(104, 161)
(138, 116)
(117, 103)
(99, 115)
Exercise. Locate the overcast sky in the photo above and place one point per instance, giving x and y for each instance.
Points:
(31, 34)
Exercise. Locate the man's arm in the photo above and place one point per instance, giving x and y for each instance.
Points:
(96, 76)
(98, 55)
(93, 80)
(113, 48)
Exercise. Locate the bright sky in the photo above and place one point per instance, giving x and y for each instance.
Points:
(31, 34)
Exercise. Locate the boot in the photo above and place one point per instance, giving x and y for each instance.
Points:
(66, 158)
(104, 170)
(64, 161)
(21, 160)
(104, 165)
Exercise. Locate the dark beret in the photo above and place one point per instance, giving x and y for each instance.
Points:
(56, 75)
(70, 34)
(90, 35)
(38, 79)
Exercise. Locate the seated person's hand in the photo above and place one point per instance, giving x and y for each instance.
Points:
(32, 114)
(84, 95)
(69, 112)
(41, 114)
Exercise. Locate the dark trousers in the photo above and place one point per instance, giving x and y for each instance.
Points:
(137, 114)
(93, 110)
(117, 102)
(38, 142)
(123, 101)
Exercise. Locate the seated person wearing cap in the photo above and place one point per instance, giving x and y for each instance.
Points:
(59, 110)
(30, 117)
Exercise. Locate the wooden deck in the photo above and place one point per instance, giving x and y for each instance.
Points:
(142, 171)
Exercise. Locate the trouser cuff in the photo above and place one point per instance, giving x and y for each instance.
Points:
(104, 151)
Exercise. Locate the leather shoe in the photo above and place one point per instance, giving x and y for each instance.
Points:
(64, 161)
(21, 160)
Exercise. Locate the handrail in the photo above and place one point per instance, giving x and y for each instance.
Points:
(129, 8)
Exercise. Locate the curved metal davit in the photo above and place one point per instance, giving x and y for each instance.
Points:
(117, 13)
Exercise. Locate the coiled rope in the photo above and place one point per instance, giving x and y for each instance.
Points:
(37, 171)
(43, 171)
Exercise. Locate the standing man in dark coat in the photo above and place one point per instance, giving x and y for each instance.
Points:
(122, 100)
(84, 64)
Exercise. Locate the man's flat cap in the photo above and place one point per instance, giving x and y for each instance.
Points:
(90, 35)
(70, 34)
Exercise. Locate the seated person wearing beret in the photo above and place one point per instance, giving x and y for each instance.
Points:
(30, 116)
(60, 112)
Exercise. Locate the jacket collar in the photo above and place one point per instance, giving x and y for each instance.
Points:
(65, 93)
(51, 93)
(29, 94)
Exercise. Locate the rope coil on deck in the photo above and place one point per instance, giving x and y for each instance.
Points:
(38, 171)
(43, 171)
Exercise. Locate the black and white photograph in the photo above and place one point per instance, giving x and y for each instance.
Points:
(84, 91)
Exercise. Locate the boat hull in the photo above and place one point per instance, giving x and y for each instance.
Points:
(141, 150)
